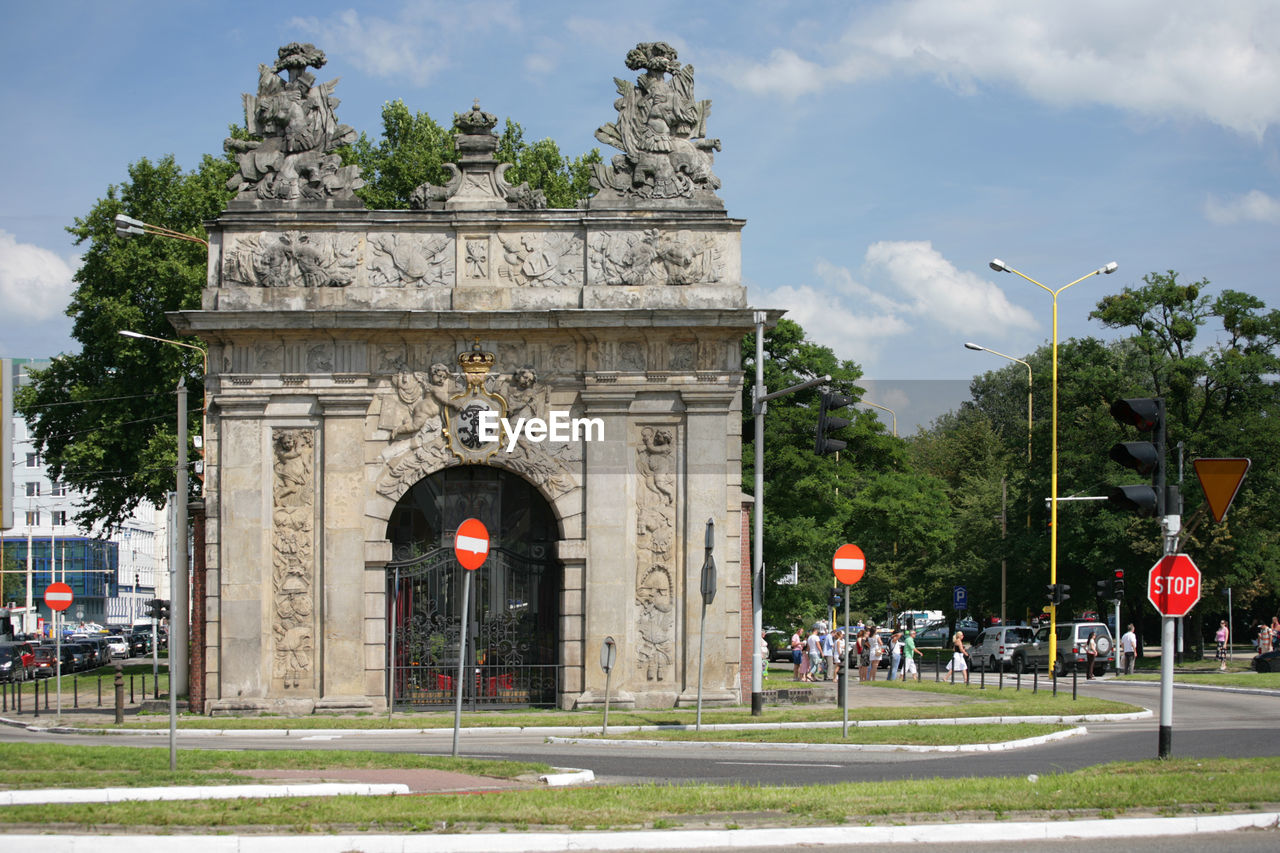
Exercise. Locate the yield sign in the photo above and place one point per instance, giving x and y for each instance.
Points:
(471, 544)
(849, 564)
(58, 596)
(1220, 479)
(1174, 585)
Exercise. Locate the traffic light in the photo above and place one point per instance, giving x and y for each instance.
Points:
(836, 599)
(1104, 589)
(164, 608)
(827, 424)
(1057, 593)
(1117, 585)
(1147, 415)
(159, 608)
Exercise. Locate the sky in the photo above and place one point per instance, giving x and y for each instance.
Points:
(881, 153)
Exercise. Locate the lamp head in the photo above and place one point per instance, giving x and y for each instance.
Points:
(127, 226)
(974, 347)
(998, 265)
(129, 334)
(1110, 268)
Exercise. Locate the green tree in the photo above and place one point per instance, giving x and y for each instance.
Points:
(104, 419)
(414, 149)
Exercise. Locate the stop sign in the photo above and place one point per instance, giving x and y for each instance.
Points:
(849, 564)
(471, 544)
(1173, 586)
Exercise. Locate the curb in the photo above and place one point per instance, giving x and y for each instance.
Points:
(195, 792)
(842, 747)
(553, 842)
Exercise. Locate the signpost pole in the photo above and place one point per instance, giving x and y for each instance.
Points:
(844, 667)
(608, 656)
(708, 595)
(462, 662)
(57, 643)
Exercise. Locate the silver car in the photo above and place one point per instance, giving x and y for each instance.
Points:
(994, 647)
(1072, 639)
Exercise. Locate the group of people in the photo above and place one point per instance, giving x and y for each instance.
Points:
(819, 654)
(1267, 637)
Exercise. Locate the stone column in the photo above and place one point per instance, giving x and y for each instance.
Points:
(707, 496)
(352, 602)
(607, 597)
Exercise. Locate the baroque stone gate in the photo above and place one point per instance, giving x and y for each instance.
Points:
(354, 353)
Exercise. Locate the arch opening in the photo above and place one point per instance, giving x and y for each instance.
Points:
(511, 652)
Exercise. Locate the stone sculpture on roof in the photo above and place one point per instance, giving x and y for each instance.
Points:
(661, 128)
(294, 159)
(477, 181)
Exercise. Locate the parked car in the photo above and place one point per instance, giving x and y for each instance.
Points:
(936, 635)
(1267, 662)
(101, 652)
(11, 666)
(46, 658)
(140, 641)
(994, 647)
(1072, 637)
(26, 652)
(81, 656)
(118, 646)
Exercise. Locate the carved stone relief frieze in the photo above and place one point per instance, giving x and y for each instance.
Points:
(411, 260)
(477, 257)
(291, 259)
(293, 579)
(432, 422)
(656, 257)
(551, 259)
(655, 552)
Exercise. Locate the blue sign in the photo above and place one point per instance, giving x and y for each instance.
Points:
(960, 598)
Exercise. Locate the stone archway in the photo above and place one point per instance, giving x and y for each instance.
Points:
(512, 644)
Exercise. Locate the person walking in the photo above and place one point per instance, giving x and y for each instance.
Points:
(764, 655)
(909, 653)
(1090, 654)
(864, 654)
(797, 653)
(875, 650)
(959, 657)
(1128, 649)
(837, 653)
(828, 652)
(1264, 639)
(895, 654)
(1221, 639)
(815, 655)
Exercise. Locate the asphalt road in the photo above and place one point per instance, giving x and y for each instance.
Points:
(1206, 724)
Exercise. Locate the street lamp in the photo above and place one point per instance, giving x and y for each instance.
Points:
(980, 348)
(887, 409)
(127, 226)
(1000, 266)
(178, 638)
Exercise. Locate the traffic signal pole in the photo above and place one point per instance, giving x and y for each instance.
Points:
(1170, 508)
(760, 399)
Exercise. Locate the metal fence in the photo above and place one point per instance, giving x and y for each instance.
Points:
(536, 685)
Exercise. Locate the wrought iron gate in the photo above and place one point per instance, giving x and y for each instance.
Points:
(511, 650)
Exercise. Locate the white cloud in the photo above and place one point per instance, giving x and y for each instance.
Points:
(930, 286)
(1253, 206)
(35, 284)
(1218, 62)
(416, 43)
(831, 320)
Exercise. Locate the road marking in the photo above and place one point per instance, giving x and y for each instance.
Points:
(774, 764)
(322, 737)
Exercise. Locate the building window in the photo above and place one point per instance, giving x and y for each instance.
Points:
(33, 490)
(33, 460)
(59, 518)
(33, 518)
(59, 490)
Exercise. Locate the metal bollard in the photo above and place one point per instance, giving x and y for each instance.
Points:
(840, 689)
(99, 691)
(75, 691)
(35, 698)
(17, 691)
(131, 688)
(1075, 671)
(1035, 678)
(982, 678)
(119, 693)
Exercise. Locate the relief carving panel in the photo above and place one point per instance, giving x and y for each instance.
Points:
(293, 579)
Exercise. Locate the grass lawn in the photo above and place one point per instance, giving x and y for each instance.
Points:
(1176, 786)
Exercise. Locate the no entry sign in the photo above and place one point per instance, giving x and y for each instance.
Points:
(471, 544)
(1173, 586)
(849, 564)
(58, 596)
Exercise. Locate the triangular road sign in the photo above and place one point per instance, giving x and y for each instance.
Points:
(1220, 479)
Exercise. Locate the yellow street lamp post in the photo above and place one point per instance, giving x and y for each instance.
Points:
(1000, 266)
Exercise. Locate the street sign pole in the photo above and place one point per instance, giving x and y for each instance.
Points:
(471, 547)
(848, 564)
(608, 657)
(844, 669)
(708, 596)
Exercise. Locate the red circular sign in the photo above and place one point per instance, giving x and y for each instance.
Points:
(1174, 585)
(471, 544)
(849, 564)
(58, 596)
